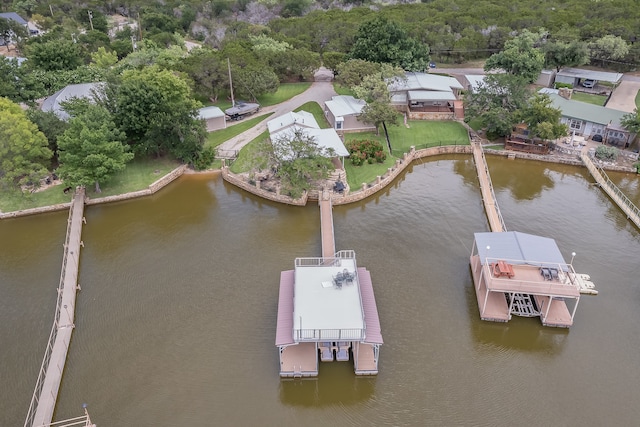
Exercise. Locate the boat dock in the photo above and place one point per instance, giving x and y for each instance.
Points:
(623, 202)
(44, 397)
(496, 222)
(333, 316)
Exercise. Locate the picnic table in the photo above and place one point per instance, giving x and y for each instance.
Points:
(503, 269)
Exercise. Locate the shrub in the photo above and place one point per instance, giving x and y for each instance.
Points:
(205, 158)
(361, 150)
(559, 85)
(606, 153)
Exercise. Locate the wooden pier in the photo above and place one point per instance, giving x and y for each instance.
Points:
(496, 223)
(623, 202)
(43, 401)
(326, 225)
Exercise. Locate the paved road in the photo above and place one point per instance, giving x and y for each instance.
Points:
(319, 91)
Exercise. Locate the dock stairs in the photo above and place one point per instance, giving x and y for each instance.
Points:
(523, 305)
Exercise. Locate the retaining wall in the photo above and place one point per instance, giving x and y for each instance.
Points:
(153, 188)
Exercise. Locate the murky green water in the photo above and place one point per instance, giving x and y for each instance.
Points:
(176, 317)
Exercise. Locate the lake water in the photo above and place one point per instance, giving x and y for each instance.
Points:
(176, 318)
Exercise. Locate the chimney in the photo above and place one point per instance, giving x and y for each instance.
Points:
(565, 92)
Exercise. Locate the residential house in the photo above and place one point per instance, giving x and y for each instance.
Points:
(214, 118)
(342, 112)
(11, 16)
(427, 96)
(285, 126)
(591, 121)
(83, 90)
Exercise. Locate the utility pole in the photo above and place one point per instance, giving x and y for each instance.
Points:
(233, 103)
(50, 9)
(90, 19)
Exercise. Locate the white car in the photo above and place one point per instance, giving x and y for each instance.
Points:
(589, 83)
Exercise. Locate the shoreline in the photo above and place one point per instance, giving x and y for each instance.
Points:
(367, 190)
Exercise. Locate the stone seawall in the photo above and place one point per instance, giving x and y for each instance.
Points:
(153, 188)
(236, 180)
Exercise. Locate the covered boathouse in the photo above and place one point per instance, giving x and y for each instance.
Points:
(525, 275)
(327, 312)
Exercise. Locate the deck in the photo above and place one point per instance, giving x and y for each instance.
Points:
(549, 295)
(299, 360)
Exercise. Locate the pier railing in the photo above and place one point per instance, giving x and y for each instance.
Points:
(328, 334)
(601, 177)
(493, 194)
(564, 282)
(33, 406)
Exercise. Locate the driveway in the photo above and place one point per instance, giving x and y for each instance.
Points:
(320, 91)
(624, 97)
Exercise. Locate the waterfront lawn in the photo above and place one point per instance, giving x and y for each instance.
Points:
(367, 173)
(245, 161)
(476, 124)
(137, 176)
(589, 98)
(315, 109)
(217, 137)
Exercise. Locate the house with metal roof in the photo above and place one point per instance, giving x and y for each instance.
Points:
(12, 16)
(83, 90)
(525, 275)
(427, 96)
(589, 120)
(342, 113)
(285, 127)
(214, 118)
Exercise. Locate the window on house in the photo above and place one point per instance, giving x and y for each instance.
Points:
(339, 125)
(575, 124)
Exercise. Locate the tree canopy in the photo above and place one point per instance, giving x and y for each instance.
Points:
(92, 149)
(24, 155)
(384, 41)
(519, 57)
(542, 119)
(157, 112)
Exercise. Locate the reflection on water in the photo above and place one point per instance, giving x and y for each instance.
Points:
(524, 179)
(335, 384)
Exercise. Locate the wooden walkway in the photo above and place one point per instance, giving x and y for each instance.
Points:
(44, 397)
(496, 223)
(627, 206)
(326, 225)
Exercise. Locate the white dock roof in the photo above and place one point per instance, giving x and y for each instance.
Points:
(319, 305)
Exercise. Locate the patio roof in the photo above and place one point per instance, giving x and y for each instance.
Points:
(430, 95)
(603, 76)
(515, 246)
(345, 105)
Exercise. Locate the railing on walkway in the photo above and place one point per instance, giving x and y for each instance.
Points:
(490, 184)
(33, 406)
(601, 177)
(83, 421)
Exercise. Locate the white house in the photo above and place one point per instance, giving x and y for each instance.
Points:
(83, 90)
(342, 112)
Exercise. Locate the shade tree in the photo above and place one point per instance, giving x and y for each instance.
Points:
(520, 57)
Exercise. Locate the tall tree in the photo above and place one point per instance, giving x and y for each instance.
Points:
(375, 90)
(55, 55)
(496, 101)
(631, 121)
(519, 57)
(297, 159)
(561, 54)
(542, 119)
(157, 112)
(92, 149)
(608, 48)
(24, 155)
(384, 41)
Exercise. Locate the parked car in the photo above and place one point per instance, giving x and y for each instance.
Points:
(597, 137)
(432, 64)
(588, 83)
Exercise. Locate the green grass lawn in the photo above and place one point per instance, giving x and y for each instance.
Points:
(420, 134)
(318, 113)
(285, 91)
(475, 124)
(589, 98)
(217, 137)
(342, 90)
(245, 160)
(137, 176)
